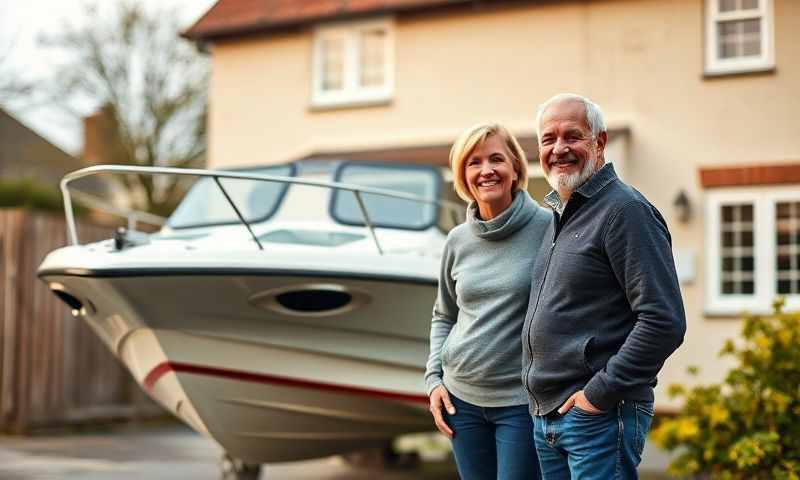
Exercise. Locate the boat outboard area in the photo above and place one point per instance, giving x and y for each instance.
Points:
(282, 310)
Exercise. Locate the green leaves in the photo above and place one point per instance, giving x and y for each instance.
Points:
(746, 427)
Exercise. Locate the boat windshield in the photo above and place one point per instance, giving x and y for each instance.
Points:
(388, 212)
(257, 200)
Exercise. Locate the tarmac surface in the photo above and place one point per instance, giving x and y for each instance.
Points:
(164, 452)
(175, 452)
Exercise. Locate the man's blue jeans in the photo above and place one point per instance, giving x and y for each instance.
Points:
(493, 442)
(580, 445)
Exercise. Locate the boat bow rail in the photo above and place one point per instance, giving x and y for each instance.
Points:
(357, 190)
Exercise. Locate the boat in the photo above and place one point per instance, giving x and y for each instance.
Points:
(282, 311)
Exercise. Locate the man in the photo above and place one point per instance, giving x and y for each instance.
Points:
(605, 309)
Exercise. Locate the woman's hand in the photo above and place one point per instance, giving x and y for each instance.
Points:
(440, 398)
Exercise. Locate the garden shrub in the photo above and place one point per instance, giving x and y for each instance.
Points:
(748, 426)
(26, 193)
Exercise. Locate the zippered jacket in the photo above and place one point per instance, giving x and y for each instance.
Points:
(605, 309)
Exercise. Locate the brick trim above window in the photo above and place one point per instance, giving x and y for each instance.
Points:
(750, 175)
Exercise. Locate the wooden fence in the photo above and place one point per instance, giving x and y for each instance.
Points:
(54, 371)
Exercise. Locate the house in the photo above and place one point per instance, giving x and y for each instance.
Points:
(700, 98)
(24, 154)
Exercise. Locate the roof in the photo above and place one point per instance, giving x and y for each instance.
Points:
(26, 154)
(229, 18)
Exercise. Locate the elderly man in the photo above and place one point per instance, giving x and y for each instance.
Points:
(605, 309)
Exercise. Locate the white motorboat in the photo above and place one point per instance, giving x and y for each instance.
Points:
(279, 311)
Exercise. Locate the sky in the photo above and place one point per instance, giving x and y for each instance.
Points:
(23, 22)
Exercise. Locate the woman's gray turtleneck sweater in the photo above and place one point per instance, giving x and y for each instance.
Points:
(484, 286)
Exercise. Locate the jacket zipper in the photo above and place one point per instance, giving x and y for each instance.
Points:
(536, 306)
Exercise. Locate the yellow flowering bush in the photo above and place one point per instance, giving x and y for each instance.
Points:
(747, 427)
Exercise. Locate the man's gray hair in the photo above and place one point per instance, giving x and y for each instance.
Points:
(594, 116)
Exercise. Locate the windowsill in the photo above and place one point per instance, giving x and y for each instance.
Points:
(714, 314)
(349, 104)
(744, 71)
(730, 313)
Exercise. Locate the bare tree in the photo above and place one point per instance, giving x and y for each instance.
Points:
(150, 87)
(13, 87)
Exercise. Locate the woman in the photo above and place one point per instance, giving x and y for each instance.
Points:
(473, 370)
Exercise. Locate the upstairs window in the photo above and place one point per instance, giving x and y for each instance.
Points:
(352, 64)
(739, 36)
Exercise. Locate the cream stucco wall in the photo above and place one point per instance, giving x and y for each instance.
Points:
(641, 60)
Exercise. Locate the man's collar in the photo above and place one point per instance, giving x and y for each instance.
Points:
(596, 182)
(553, 200)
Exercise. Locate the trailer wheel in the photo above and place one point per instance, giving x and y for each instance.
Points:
(235, 469)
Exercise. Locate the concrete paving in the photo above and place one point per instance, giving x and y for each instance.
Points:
(175, 452)
(166, 452)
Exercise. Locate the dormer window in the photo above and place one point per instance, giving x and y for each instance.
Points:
(352, 64)
(739, 36)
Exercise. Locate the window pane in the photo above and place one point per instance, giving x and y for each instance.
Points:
(373, 53)
(727, 214)
(749, 4)
(787, 239)
(784, 235)
(727, 264)
(747, 264)
(733, 5)
(727, 50)
(739, 38)
(387, 211)
(728, 239)
(738, 248)
(783, 210)
(256, 200)
(747, 213)
(747, 238)
(332, 52)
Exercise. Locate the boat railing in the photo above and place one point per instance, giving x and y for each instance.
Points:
(358, 191)
(131, 215)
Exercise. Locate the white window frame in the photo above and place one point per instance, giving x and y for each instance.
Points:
(351, 93)
(764, 244)
(717, 66)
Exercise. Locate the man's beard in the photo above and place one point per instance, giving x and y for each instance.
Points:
(571, 181)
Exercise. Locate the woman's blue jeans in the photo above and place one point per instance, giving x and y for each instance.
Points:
(585, 446)
(493, 442)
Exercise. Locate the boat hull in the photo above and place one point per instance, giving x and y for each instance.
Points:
(267, 383)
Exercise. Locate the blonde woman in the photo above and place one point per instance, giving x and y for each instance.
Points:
(473, 373)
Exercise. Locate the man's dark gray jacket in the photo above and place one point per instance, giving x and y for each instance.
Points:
(605, 308)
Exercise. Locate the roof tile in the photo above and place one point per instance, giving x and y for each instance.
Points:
(236, 17)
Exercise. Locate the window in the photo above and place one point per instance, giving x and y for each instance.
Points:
(388, 212)
(257, 200)
(739, 36)
(352, 64)
(753, 250)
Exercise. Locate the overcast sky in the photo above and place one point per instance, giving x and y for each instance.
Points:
(22, 22)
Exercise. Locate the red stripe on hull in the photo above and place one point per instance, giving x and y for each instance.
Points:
(165, 367)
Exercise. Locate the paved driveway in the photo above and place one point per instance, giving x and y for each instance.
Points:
(175, 452)
(170, 452)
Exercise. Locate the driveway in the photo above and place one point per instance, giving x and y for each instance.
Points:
(164, 452)
(175, 452)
